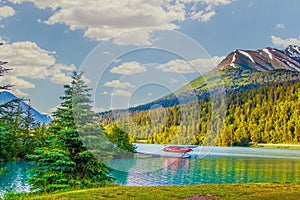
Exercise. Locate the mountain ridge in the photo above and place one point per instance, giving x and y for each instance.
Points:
(6, 96)
(263, 59)
(240, 70)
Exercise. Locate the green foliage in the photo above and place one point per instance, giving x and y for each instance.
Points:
(4, 70)
(2, 170)
(207, 191)
(17, 137)
(68, 162)
(265, 114)
(52, 168)
(235, 78)
(120, 139)
(17, 133)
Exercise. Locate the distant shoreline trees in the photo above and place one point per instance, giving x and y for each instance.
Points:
(267, 114)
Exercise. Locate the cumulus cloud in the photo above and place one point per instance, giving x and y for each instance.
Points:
(280, 26)
(204, 10)
(6, 11)
(138, 37)
(203, 15)
(121, 92)
(104, 92)
(278, 41)
(121, 88)
(173, 80)
(28, 61)
(129, 68)
(118, 84)
(104, 19)
(19, 93)
(186, 67)
(17, 83)
(61, 78)
(179, 66)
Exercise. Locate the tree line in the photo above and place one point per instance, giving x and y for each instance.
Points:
(266, 114)
(72, 151)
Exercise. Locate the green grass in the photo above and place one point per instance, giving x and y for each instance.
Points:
(224, 191)
(2, 170)
(237, 78)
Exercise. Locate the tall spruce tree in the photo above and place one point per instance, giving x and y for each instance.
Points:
(69, 161)
(4, 70)
(9, 122)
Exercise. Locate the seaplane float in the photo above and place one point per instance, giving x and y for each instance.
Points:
(178, 149)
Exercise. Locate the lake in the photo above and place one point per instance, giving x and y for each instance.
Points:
(209, 165)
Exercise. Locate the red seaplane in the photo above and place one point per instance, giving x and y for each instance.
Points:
(177, 149)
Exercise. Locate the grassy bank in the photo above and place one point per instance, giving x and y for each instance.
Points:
(282, 146)
(225, 191)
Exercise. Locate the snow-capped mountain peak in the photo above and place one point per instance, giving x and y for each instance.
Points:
(264, 59)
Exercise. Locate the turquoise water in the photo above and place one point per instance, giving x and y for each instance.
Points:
(209, 170)
(209, 165)
(14, 177)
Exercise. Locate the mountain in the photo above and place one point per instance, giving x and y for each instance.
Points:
(261, 104)
(263, 59)
(241, 70)
(40, 118)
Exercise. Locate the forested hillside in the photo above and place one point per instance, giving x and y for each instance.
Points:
(262, 90)
(269, 113)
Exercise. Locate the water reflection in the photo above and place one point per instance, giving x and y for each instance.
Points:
(213, 169)
(174, 164)
(14, 177)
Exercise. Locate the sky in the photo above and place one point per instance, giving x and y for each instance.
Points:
(131, 52)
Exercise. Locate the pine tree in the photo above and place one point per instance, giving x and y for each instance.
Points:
(4, 70)
(70, 160)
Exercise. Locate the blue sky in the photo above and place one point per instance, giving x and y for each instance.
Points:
(132, 51)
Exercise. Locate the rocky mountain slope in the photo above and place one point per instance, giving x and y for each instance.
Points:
(40, 118)
(263, 59)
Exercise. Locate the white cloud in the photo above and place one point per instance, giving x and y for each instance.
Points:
(61, 78)
(17, 83)
(179, 66)
(149, 94)
(280, 26)
(173, 80)
(104, 19)
(121, 92)
(4, 40)
(118, 84)
(6, 11)
(117, 60)
(138, 37)
(104, 92)
(207, 64)
(28, 61)
(203, 15)
(107, 53)
(185, 67)
(204, 10)
(278, 41)
(129, 68)
(19, 93)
